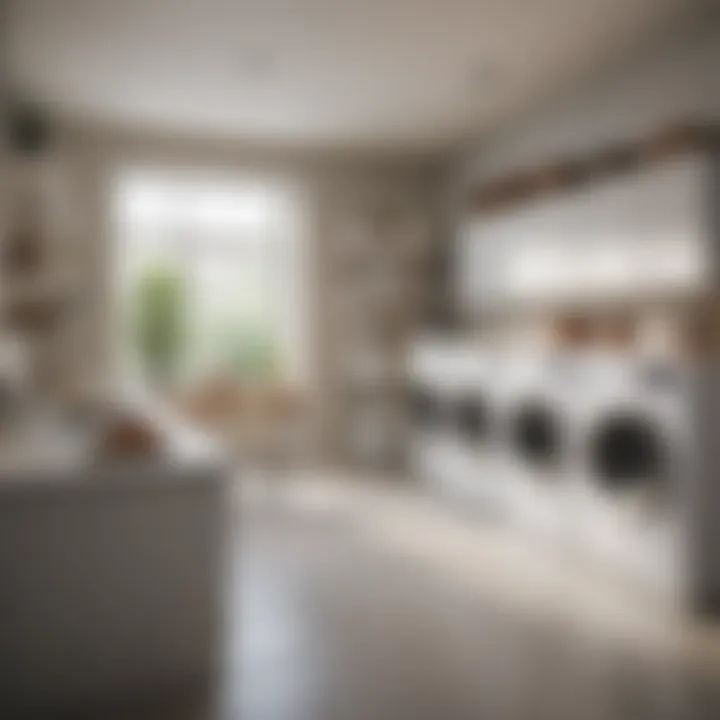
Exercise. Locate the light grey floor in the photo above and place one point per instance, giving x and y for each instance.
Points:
(355, 600)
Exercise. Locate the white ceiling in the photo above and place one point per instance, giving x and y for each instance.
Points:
(410, 74)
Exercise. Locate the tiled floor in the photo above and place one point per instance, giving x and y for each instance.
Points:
(362, 601)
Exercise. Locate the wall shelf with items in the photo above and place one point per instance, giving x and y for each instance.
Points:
(679, 329)
(36, 270)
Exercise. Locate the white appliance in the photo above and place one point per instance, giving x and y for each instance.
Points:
(453, 449)
(645, 461)
(533, 396)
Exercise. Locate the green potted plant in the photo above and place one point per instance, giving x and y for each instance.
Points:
(160, 322)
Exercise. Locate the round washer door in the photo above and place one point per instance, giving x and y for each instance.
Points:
(628, 451)
(536, 433)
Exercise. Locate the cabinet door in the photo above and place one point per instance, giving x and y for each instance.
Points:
(639, 233)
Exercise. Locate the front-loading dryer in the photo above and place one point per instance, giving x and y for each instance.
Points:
(470, 440)
(453, 418)
(642, 482)
(533, 401)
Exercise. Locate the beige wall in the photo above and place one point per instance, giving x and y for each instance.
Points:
(329, 183)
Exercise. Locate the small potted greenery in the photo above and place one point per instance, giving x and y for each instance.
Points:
(160, 323)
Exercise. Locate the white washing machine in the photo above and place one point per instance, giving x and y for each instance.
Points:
(471, 462)
(431, 377)
(645, 456)
(533, 399)
(452, 444)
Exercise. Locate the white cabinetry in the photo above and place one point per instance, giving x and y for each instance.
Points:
(641, 233)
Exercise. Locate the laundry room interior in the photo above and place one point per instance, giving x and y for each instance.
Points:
(574, 405)
(360, 360)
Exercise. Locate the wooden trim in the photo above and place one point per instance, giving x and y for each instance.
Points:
(570, 173)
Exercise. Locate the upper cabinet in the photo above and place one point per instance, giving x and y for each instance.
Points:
(640, 234)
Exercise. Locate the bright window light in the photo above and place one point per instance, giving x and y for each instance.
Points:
(228, 256)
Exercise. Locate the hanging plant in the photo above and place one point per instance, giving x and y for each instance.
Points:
(28, 127)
